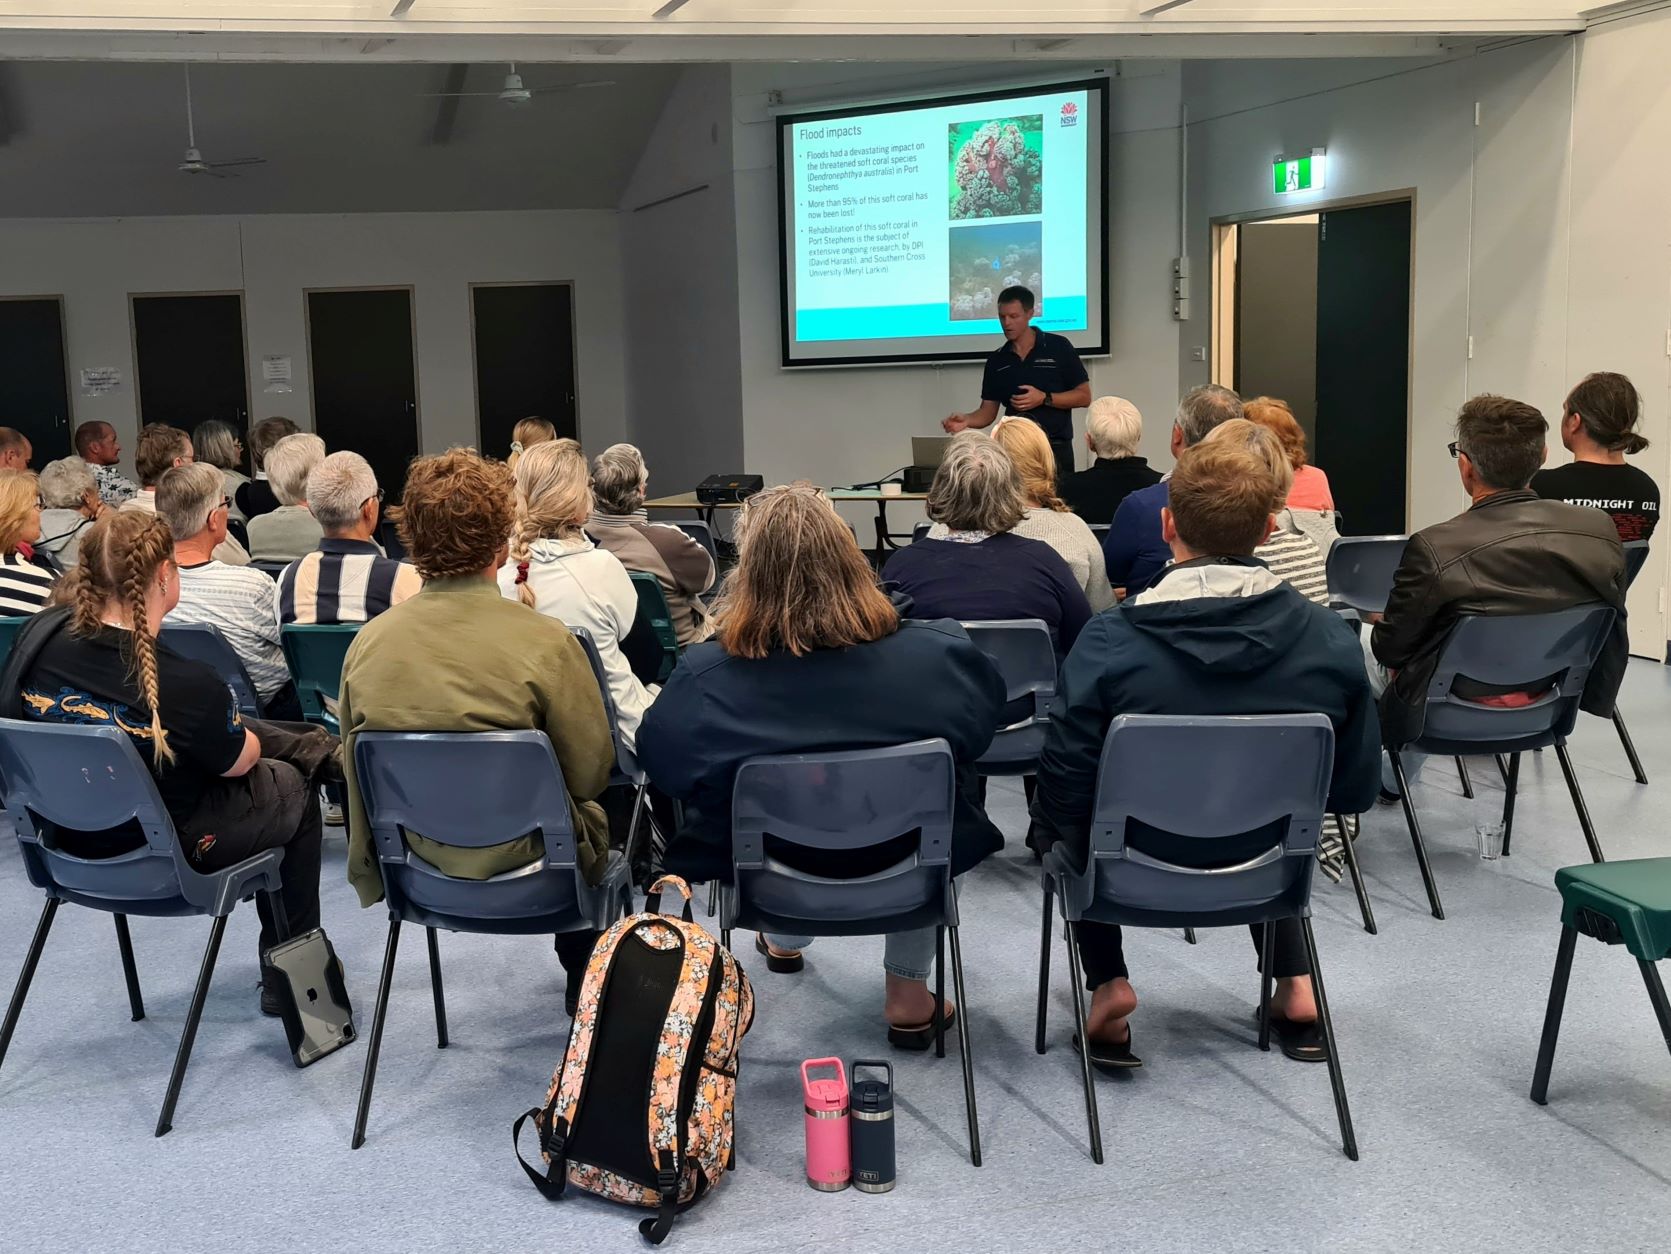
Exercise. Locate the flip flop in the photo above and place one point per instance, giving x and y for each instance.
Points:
(1303, 1042)
(920, 1038)
(1111, 1059)
(778, 963)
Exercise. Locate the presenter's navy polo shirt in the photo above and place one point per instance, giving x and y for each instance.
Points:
(1053, 366)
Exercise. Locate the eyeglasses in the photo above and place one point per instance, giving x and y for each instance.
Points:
(40, 502)
(377, 496)
(1455, 447)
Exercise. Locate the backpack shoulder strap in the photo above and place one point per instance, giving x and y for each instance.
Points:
(32, 637)
(556, 1177)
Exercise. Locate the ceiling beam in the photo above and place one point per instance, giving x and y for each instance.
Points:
(400, 8)
(669, 9)
(1156, 9)
(446, 111)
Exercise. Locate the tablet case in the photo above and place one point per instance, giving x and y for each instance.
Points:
(313, 999)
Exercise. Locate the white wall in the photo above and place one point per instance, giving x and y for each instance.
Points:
(96, 263)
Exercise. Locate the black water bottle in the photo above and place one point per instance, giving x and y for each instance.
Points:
(872, 1119)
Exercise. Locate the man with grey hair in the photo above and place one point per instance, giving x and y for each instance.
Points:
(1113, 428)
(290, 531)
(238, 600)
(1134, 549)
(347, 579)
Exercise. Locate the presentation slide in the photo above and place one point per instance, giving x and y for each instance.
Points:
(901, 223)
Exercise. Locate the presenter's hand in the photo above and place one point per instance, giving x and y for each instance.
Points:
(954, 423)
(1027, 400)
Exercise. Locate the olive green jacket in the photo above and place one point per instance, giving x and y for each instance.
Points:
(460, 657)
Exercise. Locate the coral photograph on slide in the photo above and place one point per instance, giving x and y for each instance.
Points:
(997, 167)
(984, 260)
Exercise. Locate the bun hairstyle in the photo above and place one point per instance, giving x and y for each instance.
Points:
(553, 499)
(526, 434)
(120, 556)
(1608, 405)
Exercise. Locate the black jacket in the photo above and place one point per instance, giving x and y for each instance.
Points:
(1095, 494)
(1511, 553)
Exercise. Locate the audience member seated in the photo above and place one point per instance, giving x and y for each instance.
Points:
(1310, 503)
(1216, 633)
(459, 657)
(1510, 552)
(1134, 549)
(1046, 518)
(256, 497)
(347, 579)
(232, 788)
(71, 503)
(219, 444)
(15, 450)
(25, 582)
(981, 569)
(526, 434)
(1598, 427)
(1113, 430)
(811, 656)
(1290, 553)
(97, 445)
(288, 532)
(161, 449)
(556, 570)
(239, 600)
(619, 523)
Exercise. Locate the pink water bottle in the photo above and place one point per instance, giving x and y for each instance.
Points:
(829, 1158)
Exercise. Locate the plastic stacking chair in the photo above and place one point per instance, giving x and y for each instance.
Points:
(703, 534)
(1025, 656)
(1636, 556)
(1360, 571)
(1621, 903)
(920, 531)
(471, 790)
(1550, 653)
(1267, 772)
(315, 653)
(1100, 531)
(626, 771)
(90, 780)
(10, 625)
(271, 569)
(849, 802)
(202, 642)
(652, 605)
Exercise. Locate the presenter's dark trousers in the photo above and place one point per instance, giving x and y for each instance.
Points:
(1104, 958)
(1063, 451)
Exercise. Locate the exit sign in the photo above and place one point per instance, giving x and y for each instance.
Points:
(1298, 174)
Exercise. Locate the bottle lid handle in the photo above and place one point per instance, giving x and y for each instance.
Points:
(873, 1064)
(840, 1072)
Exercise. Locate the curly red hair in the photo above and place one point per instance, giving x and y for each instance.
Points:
(456, 514)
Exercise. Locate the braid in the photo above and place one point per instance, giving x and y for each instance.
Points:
(553, 498)
(141, 567)
(527, 530)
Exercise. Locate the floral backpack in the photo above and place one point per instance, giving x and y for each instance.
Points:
(640, 1109)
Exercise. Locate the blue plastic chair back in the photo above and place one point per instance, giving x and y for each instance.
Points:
(1360, 571)
(920, 531)
(652, 605)
(202, 642)
(1100, 531)
(1518, 651)
(471, 790)
(703, 534)
(271, 569)
(10, 625)
(1636, 556)
(90, 780)
(626, 763)
(843, 802)
(315, 653)
(1025, 655)
(1166, 781)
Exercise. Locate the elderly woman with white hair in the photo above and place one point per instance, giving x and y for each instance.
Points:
(290, 531)
(620, 524)
(1113, 429)
(70, 503)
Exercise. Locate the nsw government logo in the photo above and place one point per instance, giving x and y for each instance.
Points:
(1070, 114)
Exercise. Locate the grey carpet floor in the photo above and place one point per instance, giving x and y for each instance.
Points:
(1212, 1146)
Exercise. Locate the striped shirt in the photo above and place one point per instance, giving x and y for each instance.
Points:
(24, 586)
(345, 581)
(1295, 559)
(240, 600)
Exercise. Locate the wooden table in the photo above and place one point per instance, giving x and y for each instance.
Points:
(884, 538)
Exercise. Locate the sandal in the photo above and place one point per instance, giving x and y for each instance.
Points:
(1111, 1058)
(918, 1039)
(780, 964)
(1303, 1042)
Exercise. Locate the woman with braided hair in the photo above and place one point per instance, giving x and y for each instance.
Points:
(96, 659)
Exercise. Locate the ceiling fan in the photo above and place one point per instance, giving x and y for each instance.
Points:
(516, 95)
(194, 162)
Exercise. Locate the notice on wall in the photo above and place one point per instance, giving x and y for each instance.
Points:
(275, 373)
(100, 380)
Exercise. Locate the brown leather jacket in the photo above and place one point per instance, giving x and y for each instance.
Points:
(1511, 553)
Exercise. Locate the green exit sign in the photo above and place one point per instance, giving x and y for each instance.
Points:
(1298, 174)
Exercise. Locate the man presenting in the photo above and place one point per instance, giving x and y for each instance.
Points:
(1035, 374)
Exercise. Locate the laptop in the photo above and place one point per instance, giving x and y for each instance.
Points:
(929, 450)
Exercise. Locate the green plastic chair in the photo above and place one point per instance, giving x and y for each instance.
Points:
(10, 625)
(314, 654)
(652, 604)
(1618, 903)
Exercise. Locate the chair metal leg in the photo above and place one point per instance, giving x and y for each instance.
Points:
(435, 988)
(1267, 942)
(376, 1042)
(1358, 887)
(632, 823)
(1502, 768)
(188, 1036)
(1552, 1015)
(27, 976)
(1044, 971)
(940, 992)
(966, 1049)
(1656, 994)
(1189, 936)
(1578, 802)
(1416, 834)
(1467, 783)
(1348, 1139)
(124, 942)
(1081, 1026)
(1511, 789)
(1630, 747)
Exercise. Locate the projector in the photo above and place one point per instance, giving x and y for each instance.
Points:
(728, 489)
(917, 478)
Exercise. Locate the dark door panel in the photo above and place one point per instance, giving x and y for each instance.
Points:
(191, 361)
(524, 359)
(365, 394)
(34, 384)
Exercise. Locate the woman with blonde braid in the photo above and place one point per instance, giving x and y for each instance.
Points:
(96, 660)
(557, 570)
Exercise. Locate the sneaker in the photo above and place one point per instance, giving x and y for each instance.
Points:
(270, 1003)
(333, 814)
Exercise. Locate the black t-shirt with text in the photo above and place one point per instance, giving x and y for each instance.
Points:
(86, 679)
(1630, 495)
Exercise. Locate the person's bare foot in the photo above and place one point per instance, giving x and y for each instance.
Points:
(1111, 1004)
(1293, 1000)
(909, 1003)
